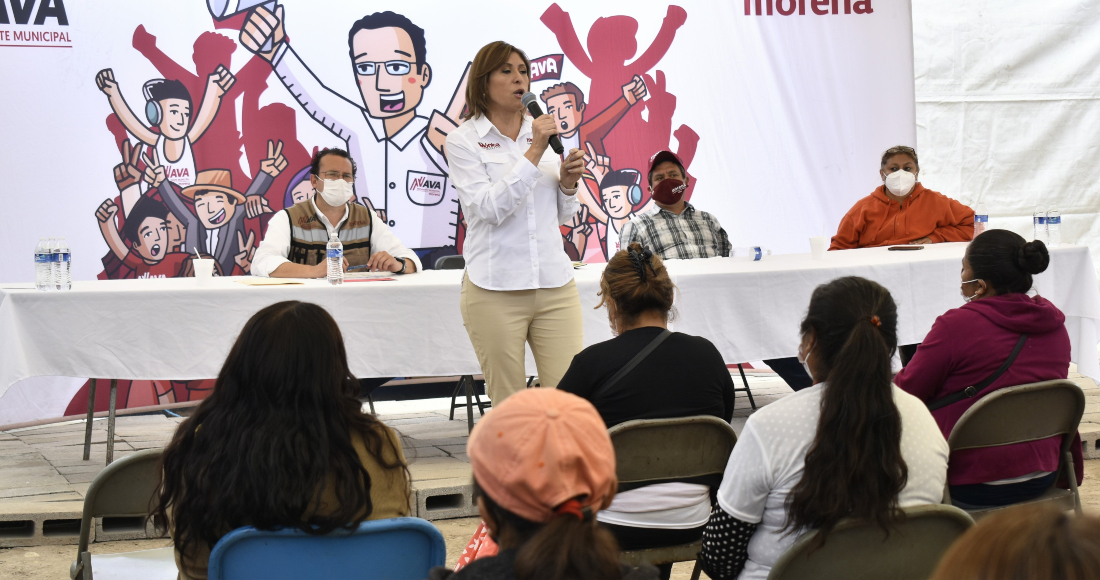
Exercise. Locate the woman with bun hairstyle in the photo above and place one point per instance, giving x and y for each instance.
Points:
(683, 376)
(968, 344)
(543, 465)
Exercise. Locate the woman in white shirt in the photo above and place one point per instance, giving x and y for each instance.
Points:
(853, 445)
(514, 192)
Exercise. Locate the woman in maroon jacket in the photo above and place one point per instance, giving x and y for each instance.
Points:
(966, 345)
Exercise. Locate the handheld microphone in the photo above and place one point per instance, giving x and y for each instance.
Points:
(530, 101)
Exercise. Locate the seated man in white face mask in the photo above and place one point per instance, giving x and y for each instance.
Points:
(902, 211)
(297, 237)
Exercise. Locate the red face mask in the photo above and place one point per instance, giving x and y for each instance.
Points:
(669, 191)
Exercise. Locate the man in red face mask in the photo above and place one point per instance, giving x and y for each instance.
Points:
(676, 230)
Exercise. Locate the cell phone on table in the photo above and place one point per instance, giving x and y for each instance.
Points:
(905, 248)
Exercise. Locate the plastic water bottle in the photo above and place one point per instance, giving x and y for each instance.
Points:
(981, 219)
(62, 275)
(757, 253)
(335, 257)
(1054, 227)
(43, 276)
(1039, 223)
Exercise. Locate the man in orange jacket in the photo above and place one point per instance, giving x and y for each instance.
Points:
(902, 211)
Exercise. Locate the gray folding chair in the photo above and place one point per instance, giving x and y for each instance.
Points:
(1020, 414)
(860, 550)
(656, 450)
(123, 490)
(455, 262)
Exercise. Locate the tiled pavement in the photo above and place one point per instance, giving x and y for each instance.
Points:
(43, 475)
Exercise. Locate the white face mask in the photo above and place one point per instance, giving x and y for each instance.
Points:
(973, 296)
(806, 360)
(337, 192)
(900, 182)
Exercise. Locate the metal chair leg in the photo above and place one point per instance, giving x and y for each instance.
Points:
(111, 422)
(745, 380)
(696, 571)
(1071, 477)
(469, 380)
(88, 424)
(370, 401)
(454, 396)
(530, 380)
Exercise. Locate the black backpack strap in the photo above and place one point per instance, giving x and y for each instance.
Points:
(638, 358)
(973, 391)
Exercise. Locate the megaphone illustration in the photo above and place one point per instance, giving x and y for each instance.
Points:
(222, 9)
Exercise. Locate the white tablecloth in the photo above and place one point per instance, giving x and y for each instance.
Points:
(177, 329)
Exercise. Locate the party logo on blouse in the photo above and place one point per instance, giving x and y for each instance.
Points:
(488, 145)
(425, 188)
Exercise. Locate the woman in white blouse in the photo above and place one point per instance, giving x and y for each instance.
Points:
(514, 192)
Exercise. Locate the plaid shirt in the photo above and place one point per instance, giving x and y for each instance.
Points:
(692, 234)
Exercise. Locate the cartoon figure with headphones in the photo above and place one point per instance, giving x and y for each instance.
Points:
(168, 107)
(620, 191)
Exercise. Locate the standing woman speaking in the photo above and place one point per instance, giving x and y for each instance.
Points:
(514, 192)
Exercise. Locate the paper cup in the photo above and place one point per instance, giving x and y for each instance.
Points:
(819, 246)
(204, 269)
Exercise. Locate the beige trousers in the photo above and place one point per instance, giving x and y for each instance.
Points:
(499, 322)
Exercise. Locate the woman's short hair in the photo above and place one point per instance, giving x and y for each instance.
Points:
(491, 57)
(636, 281)
(1006, 261)
(1028, 541)
(899, 150)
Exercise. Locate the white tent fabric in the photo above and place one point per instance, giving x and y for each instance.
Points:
(1008, 108)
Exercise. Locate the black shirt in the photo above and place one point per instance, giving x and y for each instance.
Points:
(684, 376)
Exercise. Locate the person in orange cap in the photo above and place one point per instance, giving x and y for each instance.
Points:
(902, 211)
(543, 466)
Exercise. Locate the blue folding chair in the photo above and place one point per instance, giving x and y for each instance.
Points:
(391, 549)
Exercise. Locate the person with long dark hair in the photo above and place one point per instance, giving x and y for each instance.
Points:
(682, 376)
(543, 466)
(282, 441)
(853, 445)
(967, 345)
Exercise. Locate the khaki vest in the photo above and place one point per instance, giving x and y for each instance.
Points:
(309, 238)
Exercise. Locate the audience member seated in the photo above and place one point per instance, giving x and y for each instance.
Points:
(1026, 542)
(682, 377)
(297, 237)
(900, 211)
(280, 442)
(543, 466)
(967, 345)
(903, 211)
(674, 229)
(852, 445)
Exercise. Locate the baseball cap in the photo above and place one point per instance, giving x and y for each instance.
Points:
(662, 156)
(541, 448)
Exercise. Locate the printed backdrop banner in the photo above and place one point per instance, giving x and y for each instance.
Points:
(143, 132)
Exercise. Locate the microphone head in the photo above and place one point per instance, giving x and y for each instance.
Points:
(528, 99)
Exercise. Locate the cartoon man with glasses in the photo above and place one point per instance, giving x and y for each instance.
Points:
(404, 174)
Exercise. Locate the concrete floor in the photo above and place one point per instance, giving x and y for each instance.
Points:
(41, 469)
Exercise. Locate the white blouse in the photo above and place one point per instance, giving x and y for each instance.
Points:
(512, 208)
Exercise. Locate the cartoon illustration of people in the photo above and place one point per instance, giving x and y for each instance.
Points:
(612, 41)
(299, 188)
(565, 101)
(403, 170)
(217, 226)
(145, 250)
(168, 108)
